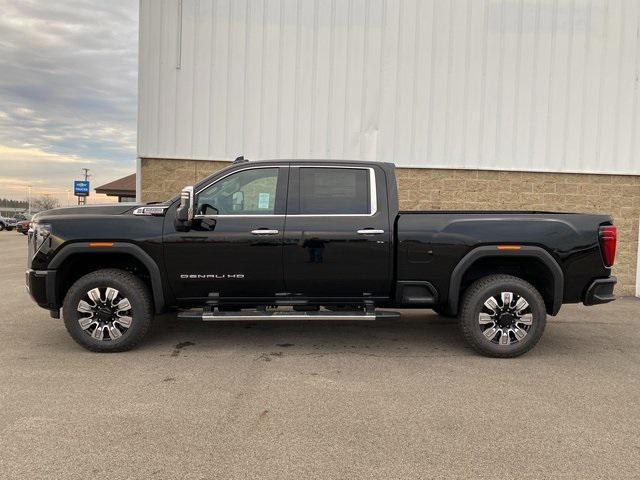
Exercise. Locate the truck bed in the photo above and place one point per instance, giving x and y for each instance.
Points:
(436, 241)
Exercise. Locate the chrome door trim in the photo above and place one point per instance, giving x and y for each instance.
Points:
(373, 193)
(254, 167)
(242, 216)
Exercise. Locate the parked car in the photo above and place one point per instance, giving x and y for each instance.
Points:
(308, 240)
(23, 226)
(7, 223)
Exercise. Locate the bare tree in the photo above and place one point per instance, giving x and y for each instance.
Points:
(44, 202)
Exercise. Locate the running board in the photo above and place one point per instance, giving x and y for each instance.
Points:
(257, 315)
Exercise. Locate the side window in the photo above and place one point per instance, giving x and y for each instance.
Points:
(249, 192)
(334, 191)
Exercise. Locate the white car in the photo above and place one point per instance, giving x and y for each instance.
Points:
(7, 223)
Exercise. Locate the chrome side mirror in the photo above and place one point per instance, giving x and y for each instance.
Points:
(185, 211)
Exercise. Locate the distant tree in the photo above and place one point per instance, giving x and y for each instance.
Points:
(5, 202)
(44, 202)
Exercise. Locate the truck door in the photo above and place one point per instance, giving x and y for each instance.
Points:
(337, 236)
(234, 249)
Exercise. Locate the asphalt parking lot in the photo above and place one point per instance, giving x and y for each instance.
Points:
(402, 399)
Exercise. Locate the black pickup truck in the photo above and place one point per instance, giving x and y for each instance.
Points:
(300, 240)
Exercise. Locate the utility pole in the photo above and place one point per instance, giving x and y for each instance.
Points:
(85, 173)
(29, 200)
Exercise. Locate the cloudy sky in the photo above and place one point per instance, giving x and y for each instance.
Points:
(68, 85)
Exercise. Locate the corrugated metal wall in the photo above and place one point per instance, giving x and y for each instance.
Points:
(541, 85)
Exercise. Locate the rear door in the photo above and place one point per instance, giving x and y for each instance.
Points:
(337, 233)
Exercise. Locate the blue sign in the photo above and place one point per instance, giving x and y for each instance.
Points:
(81, 188)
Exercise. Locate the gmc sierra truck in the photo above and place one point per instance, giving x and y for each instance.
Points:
(301, 240)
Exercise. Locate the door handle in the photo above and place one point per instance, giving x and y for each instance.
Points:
(264, 231)
(370, 231)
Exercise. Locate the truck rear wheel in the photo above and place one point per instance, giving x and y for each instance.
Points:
(108, 310)
(502, 316)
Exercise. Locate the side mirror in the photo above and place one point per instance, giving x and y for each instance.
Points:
(185, 213)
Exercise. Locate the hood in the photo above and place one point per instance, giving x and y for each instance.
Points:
(107, 209)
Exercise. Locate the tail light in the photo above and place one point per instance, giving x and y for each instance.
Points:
(608, 240)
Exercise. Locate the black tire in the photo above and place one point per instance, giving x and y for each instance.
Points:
(1, 226)
(473, 305)
(9, 229)
(131, 288)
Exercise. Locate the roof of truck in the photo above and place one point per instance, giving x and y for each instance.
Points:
(310, 160)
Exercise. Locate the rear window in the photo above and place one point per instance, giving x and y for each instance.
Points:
(343, 191)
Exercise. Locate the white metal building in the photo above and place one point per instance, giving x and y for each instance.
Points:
(510, 85)
(518, 85)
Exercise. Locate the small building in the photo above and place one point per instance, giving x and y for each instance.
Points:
(124, 188)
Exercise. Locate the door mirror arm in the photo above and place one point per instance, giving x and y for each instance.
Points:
(185, 212)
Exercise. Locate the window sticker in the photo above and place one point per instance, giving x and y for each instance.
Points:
(263, 201)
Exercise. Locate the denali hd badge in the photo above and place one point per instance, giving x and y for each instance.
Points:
(210, 276)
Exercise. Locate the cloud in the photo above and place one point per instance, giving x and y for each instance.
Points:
(67, 91)
(28, 154)
(51, 173)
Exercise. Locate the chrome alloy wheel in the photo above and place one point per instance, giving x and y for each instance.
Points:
(107, 314)
(506, 318)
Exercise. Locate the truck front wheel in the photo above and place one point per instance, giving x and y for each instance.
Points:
(108, 310)
(502, 316)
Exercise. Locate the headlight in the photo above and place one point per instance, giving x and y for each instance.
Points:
(40, 232)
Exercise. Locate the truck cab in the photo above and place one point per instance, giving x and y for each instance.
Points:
(286, 232)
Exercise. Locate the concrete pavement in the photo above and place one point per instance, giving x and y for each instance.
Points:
(403, 399)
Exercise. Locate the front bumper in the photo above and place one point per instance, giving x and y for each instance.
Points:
(600, 291)
(41, 285)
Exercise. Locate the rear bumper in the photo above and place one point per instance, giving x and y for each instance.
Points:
(600, 291)
(41, 286)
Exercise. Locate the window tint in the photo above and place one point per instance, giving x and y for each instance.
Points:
(334, 191)
(249, 192)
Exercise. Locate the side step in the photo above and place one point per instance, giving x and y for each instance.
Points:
(252, 315)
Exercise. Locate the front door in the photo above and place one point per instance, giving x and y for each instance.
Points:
(337, 238)
(234, 248)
